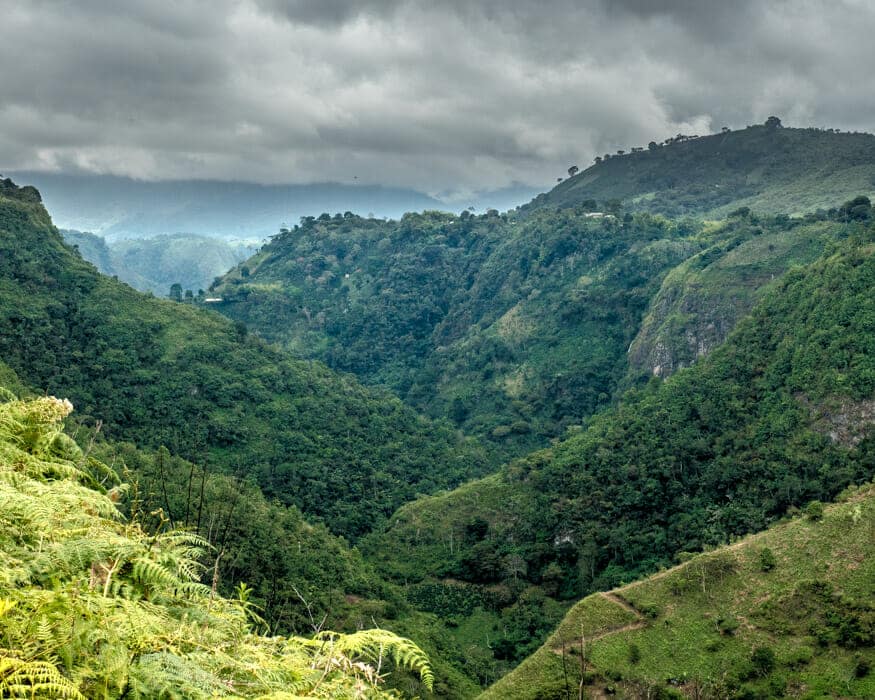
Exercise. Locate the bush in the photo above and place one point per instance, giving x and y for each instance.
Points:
(814, 511)
(650, 610)
(800, 656)
(634, 654)
(726, 624)
(767, 559)
(777, 687)
(763, 660)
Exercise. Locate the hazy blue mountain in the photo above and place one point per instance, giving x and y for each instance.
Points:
(154, 264)
(119, 207)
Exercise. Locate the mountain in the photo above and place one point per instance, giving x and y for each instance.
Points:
(164, 373)
(778, 415)
(119, 207)
(92, 248)
(768, 168)
(515, 327)
(784, 613)
(156, 264)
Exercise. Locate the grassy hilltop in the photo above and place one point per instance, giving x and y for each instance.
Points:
(768, 168)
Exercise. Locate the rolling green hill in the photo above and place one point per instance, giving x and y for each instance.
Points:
(770, 169)
(778, 415)
(784, 613)
(162, 373)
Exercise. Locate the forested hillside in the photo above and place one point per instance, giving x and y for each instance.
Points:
(163, 373)
(776, 417)
(697, 379)
(769, 168)
(513, 327)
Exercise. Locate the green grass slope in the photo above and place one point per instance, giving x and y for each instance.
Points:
(770, 170)
(777, 416)
(162, 373)
(785, 613)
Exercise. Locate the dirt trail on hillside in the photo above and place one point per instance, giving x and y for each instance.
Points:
(628, 627)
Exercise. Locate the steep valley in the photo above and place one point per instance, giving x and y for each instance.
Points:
(454, 427)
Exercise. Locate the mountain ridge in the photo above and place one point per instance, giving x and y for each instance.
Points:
(768, 168)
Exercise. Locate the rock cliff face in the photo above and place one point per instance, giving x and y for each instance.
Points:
(703, 298)
(844, 421)
(685, 322)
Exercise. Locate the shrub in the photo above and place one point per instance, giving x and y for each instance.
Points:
(767, 559)
(650, 610)
(763, 660)
(634, 654)
(777, 686)
(726, 624)
(800, 656)
(814, 511)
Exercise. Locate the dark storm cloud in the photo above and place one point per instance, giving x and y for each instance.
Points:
(456, 95)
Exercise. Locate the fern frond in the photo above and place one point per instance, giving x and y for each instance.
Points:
(31, 679)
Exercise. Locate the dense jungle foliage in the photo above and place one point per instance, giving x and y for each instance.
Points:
(162, 373)
(769, 168)
(93, 604)
(777, 416)
(694, 381)
(513, 327)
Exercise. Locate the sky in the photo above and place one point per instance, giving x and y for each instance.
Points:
(445, 97)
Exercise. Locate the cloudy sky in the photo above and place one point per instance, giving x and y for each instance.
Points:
(445, 96)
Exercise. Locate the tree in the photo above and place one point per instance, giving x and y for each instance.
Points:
(767, 559)
(773, 123)
(857, 209)
(763, 660)
(175, 292)
(573, 170)
(652, 146)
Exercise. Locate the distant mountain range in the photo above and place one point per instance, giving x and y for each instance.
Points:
(120, 207)
(155, 264)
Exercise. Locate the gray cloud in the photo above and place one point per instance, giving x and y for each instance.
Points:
(450, 96)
